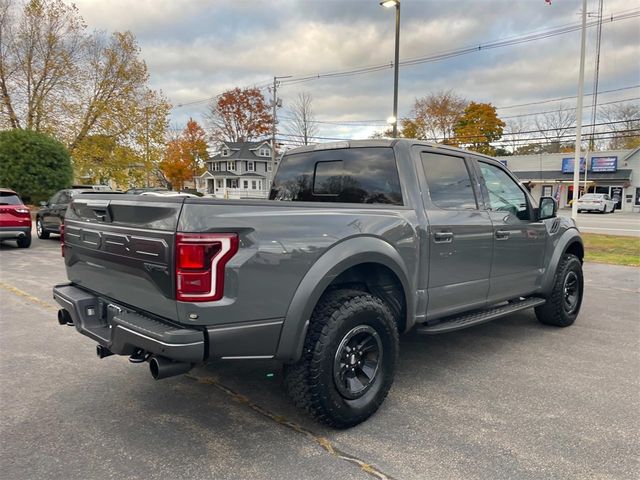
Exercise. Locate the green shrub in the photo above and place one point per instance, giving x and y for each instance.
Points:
(33, 164)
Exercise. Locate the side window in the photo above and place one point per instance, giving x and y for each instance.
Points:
(504, 193)
(55, 199)
(449, 182)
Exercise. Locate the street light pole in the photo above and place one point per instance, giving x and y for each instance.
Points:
(388, 4)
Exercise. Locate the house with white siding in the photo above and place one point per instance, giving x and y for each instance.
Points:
(237, 170)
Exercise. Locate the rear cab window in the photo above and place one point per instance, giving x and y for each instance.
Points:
(9, 198)
(349, 175)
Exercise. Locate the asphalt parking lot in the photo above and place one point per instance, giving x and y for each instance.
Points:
(511, 399)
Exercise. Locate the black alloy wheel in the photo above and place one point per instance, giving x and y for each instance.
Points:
(356, 362)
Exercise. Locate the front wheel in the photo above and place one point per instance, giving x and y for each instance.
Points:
(348, 361)
(563, 305)
(42, 233)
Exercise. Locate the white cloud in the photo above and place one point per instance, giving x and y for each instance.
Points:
(199, 48)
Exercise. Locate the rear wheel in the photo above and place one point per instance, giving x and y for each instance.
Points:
(563, 305)
(24, 242)
(42, 233)
(348, 361)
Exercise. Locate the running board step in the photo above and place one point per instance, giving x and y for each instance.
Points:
(475, 318)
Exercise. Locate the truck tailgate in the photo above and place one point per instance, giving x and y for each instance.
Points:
(122, 247)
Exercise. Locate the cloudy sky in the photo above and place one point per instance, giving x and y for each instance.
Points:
(196, 49)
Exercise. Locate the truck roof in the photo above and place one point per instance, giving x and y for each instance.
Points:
(383, 142)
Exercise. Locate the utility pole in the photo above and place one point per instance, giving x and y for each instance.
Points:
(594, 98)
(275, 103)
(576, 160)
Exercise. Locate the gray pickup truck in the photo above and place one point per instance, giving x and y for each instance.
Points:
(361, 241)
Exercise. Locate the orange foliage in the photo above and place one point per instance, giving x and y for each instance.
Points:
(184, 156)
(240, 115)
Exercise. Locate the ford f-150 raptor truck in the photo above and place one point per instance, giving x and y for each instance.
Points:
(359, 242)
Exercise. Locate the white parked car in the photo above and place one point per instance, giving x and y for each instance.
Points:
(596, 202)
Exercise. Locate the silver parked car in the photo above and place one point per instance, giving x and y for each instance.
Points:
(596, 202)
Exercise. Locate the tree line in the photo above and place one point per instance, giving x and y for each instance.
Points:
(90, 92)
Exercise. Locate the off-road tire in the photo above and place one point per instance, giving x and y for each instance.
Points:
(42, 233)
(24, 242)
(555, 311)
(310, 381)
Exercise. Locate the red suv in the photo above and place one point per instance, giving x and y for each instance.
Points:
(15, 219)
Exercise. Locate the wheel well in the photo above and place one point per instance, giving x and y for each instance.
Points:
(576, 249)
(378, 280)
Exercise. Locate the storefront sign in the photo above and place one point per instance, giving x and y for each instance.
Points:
(567, 164)
(604, 164)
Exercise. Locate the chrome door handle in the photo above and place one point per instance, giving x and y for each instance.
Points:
(502, 234)
(443, 237)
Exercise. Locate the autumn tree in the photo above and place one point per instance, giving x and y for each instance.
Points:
(478, 127)
(434, 117)
(184, 156)
(87, 89)
(302, 126)
(239, 115)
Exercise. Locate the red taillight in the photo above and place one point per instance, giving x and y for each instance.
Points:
(200, 265)
(62, 239)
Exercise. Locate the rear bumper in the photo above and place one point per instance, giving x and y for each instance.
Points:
(124, 332)
(592, 207)
(15, 232)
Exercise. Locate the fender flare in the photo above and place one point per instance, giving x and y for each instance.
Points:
(337, 259)
(568, 238)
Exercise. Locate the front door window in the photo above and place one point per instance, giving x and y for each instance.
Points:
(504, 193)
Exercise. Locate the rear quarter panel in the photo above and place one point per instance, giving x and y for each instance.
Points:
(279, 243)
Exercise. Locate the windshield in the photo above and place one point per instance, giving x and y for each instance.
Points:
(591, 196)
(9, 198)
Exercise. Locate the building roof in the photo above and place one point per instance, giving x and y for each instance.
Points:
(557, 175)
(252, 174)
(241, 151)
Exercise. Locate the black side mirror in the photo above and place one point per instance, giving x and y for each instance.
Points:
(548, 208)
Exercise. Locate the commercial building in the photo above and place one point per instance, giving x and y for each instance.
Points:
(615, 172)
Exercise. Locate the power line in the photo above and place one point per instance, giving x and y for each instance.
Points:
(503, 140)
(382, 123)
(435, 57)
(260, 86)
(551, 100)
(462, 51)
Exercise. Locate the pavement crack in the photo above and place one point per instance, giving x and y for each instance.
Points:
(323, 442)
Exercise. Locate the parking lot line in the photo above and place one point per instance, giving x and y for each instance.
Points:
(324, 442)
(29, 297)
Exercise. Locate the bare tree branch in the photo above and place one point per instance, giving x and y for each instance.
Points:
(302, 126)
